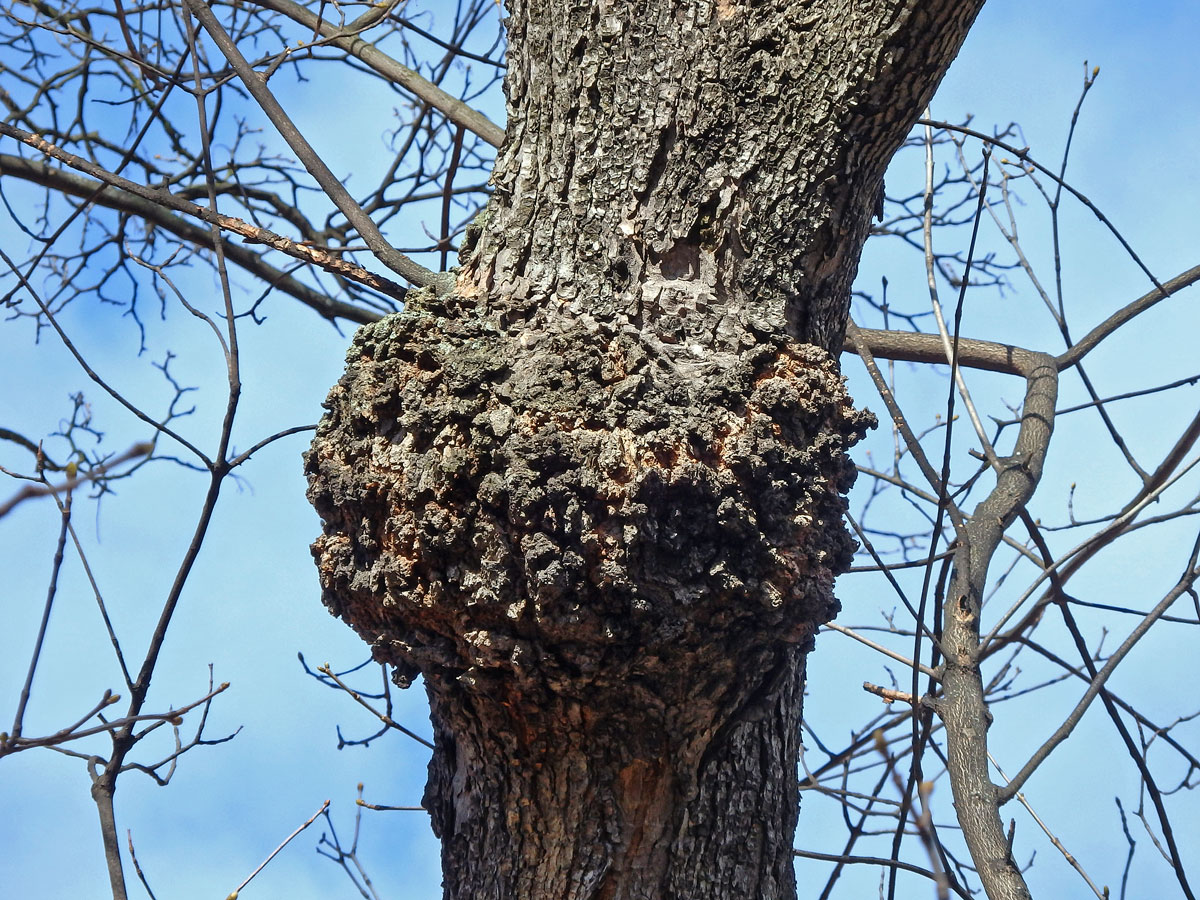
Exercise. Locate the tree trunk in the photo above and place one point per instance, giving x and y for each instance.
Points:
(594, 495)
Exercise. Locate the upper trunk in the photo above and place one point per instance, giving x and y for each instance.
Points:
(687, 167)
(594, 496)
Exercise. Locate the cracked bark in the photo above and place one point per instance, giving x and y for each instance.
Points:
(594, 495)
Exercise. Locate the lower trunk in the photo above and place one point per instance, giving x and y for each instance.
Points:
(617, 803)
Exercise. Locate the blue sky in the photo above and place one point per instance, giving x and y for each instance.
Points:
(253, 603)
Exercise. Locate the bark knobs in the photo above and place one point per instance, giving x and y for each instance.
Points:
(604, 555)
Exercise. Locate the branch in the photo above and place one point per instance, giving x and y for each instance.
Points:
(1064, 730)
(1058, 844)
(900, 658)
(75, 732)
(357, 697)
(347, 39)
(45, 490)
(911, 346)
(880, 861)
(962, 707)
(151, 204)
(39, 641)
(234, 893)
(1065, 566)
(398, 262)
(1125, 314)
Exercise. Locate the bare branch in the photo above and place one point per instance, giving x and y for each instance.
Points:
(333, 188)
(347, 39)
(382, 717)
(96, 473)
(287, 840)
(1060, 734)
(1126, 314)
(250, 233)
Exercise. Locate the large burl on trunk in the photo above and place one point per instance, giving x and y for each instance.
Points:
(593, 494)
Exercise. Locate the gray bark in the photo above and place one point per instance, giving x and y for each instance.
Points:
(962, 705)
(594, 495)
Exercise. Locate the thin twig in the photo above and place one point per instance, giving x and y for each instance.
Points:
(908, 663)
(287, 840)
(1058, 844)
(94, 474)
(387, 720)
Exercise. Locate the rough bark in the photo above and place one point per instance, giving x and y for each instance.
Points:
(689, 167)
(594, 496)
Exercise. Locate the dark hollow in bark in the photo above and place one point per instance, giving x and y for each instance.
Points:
(594, 494)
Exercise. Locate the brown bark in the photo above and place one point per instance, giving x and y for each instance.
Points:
(605, 570)
(594, 496)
